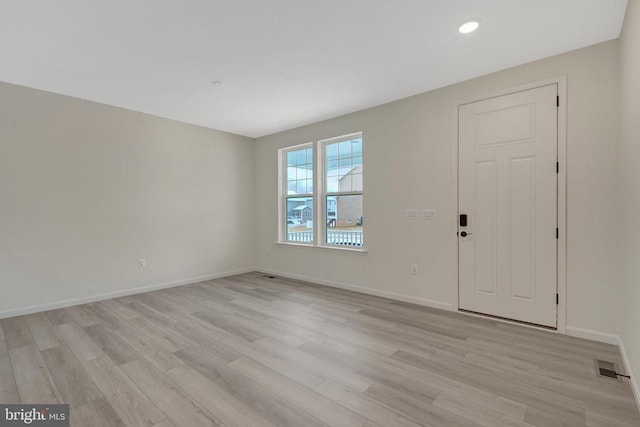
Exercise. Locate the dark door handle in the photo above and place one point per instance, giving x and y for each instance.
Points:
(465, 234)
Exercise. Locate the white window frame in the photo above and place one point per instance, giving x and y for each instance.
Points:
(319, 194)
(284, 193)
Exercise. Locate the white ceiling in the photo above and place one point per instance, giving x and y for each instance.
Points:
(284, 63)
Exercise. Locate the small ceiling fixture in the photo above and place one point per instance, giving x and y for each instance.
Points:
(218, 83)
(468, 27)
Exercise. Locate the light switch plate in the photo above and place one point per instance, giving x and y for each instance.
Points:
(412, 213)
(428, 213)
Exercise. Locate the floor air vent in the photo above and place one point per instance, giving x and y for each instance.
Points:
(607, 369)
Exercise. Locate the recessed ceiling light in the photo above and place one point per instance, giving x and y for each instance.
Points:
(468, 27)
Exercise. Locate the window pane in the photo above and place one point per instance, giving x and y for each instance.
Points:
(339, 171)
(301, 157)
(291, 158)
(333, 184)
(356, 182)
(299, 219)
(332, 151)
(300, 171)
(356, 147)
(345, 183)
(344, 220)
(344, 149)
(345, 163)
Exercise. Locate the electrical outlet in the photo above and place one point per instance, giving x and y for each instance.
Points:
(142, 263)
(414, 269)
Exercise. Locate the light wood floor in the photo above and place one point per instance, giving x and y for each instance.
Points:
(253, 351)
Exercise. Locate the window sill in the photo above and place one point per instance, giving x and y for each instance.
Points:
(331, 248)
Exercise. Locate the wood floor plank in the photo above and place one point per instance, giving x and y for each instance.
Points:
(152, 314)
(170, 341)
(317, 405)
(82, 346)
(227, 323)
(107, 317)
(176, 405)
(33, 379)
(299, 374)
(382, 371)
(177, 303)
(10, 395)
(3, 345)
(205, 342)
(8, 389)
(42, 331)
(260, 399)
(72, 382)
(150, 349)
(416, 409)
(111, 344)
(484, 409)
(16, 332)
(491, 379)
(166, 423)
(59, 316)
(122, 310)
(338, 332)
(362, 405)
(127, 400)
(231, 411)
(149, 299)
(320, 367)
(318, 337)
(97, 413)
(83, 315)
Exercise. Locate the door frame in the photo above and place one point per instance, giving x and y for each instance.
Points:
(561, 81)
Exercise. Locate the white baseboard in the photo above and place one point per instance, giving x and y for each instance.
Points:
(116, 294)
(589, 334)
(627, 369)
(375, 292)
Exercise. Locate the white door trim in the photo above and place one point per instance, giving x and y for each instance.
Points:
(561, 81)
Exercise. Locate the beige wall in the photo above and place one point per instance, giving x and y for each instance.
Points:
(409, 157)
(86, 190)
(630, 204)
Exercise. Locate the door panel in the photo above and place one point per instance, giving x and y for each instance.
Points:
(508, 189)
(484, 216)
(522, 227)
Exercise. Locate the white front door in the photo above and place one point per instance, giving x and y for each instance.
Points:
(508, 186)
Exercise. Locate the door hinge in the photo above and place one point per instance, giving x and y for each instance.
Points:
(557, 233)
(557, 100)
(557, 299)
(557, 167)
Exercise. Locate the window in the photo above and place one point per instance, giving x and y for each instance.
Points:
(299, 195)
(343, 191)
(327, 212)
